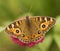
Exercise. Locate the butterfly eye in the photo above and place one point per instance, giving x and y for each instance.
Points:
(44, 26)
(17, 31)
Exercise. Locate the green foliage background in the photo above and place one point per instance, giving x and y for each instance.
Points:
(14, 9)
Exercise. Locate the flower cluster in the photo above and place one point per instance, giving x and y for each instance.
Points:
(31, 44)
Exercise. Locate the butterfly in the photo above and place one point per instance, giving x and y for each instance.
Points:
(30, 28)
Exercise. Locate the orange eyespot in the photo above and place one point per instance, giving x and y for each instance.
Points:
(17, 31)
(44, 25)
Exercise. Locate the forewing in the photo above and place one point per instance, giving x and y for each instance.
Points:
(39, 26)
(19, 29)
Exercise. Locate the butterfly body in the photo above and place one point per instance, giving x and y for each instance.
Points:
(30, 28)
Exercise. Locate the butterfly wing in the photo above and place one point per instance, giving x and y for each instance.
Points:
(31, 29)
(39, 26)
(19, 29)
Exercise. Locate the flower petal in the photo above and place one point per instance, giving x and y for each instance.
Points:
(31, 44)
(17, 41)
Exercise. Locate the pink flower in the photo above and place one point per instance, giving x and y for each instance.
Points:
(17, 41)
(31, 44)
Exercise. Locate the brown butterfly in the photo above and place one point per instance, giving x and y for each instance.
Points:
(30, 28)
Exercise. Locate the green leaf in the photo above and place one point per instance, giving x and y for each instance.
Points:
(5, 24)
(2, 28)
(57, 25)
(57, 32)
(57, 40)
(46, 43)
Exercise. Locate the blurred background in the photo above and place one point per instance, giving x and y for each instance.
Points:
(11, 10)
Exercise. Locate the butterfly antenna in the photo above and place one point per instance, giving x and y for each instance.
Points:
(27, 17)
(30, 9)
